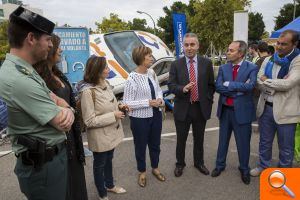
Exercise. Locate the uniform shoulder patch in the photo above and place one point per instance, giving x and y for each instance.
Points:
(23, 70)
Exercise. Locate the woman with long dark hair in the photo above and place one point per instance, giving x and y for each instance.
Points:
(58, 83)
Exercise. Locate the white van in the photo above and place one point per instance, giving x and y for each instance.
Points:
(117, 48)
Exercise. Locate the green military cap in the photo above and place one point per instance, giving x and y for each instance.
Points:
(37, 21)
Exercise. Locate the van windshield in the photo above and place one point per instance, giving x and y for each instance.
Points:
(121, 45)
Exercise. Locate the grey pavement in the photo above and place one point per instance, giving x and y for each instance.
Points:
(191, 186)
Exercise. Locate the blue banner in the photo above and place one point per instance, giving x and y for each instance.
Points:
(179, 28)
(75, 46)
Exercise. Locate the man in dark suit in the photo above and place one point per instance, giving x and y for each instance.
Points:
(192, 81)
(235, 83)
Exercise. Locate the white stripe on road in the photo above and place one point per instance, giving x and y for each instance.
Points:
(131, 138)
(165, 134)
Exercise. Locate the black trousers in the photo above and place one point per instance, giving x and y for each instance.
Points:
(147, 131)
(198, 122)
(76, 185)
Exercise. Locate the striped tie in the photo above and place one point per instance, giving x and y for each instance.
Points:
(194, 92)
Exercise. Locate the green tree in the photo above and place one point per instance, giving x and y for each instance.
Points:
(140, 25)
(265, 35)
(111, 24)
(166, 23)
(4, 47)
(137, 24)
(256, 27)
(213, 21)
(286, 14)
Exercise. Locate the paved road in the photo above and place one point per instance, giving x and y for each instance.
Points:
(191, 186)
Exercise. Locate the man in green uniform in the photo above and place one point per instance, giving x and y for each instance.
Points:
(38, 119)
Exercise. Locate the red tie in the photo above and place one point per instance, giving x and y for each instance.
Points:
(229, 101)
(194, 92)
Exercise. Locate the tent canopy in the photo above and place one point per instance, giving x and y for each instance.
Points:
(294, 25)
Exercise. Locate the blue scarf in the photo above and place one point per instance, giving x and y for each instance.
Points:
(283, 62)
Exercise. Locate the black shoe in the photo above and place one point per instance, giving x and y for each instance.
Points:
(178, 171)
(246, 178)
(216, 172)
(202, 169)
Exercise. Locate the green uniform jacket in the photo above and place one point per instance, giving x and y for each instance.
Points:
(30, 107)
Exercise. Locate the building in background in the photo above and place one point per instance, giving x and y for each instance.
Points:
(8, 6)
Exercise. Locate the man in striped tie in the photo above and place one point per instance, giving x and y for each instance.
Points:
(192, 81)
(235, 83)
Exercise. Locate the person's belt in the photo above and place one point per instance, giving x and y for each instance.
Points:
(269, 103)
(228, 107)
(61, 146)
(28, 157)
(54, 150)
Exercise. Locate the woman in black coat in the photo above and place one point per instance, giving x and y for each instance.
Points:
(58, 83)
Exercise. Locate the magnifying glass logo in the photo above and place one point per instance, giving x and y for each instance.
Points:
(277, 180)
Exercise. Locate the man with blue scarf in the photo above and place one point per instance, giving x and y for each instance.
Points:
(279, 103)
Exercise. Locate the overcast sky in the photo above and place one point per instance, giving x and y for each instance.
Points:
(86, 12)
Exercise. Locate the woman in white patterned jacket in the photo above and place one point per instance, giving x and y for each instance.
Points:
(144, 97)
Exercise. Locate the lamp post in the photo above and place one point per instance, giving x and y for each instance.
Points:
(141, 12)
(294, 10)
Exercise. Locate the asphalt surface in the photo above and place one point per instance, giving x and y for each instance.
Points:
(192, 185)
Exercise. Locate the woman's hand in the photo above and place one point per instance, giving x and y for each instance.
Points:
(124, 108)
(154, 103)
(119, 115)
(160, 102)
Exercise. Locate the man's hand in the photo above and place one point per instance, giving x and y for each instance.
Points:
(263, 78)
(53, 97)
(188, 87)
(67, 119)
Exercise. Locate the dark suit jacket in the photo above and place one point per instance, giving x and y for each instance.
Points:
(241, 90)
(179, 77)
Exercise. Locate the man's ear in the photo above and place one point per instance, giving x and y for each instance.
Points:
(30, 38)
(242, 55)
(296, 44)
